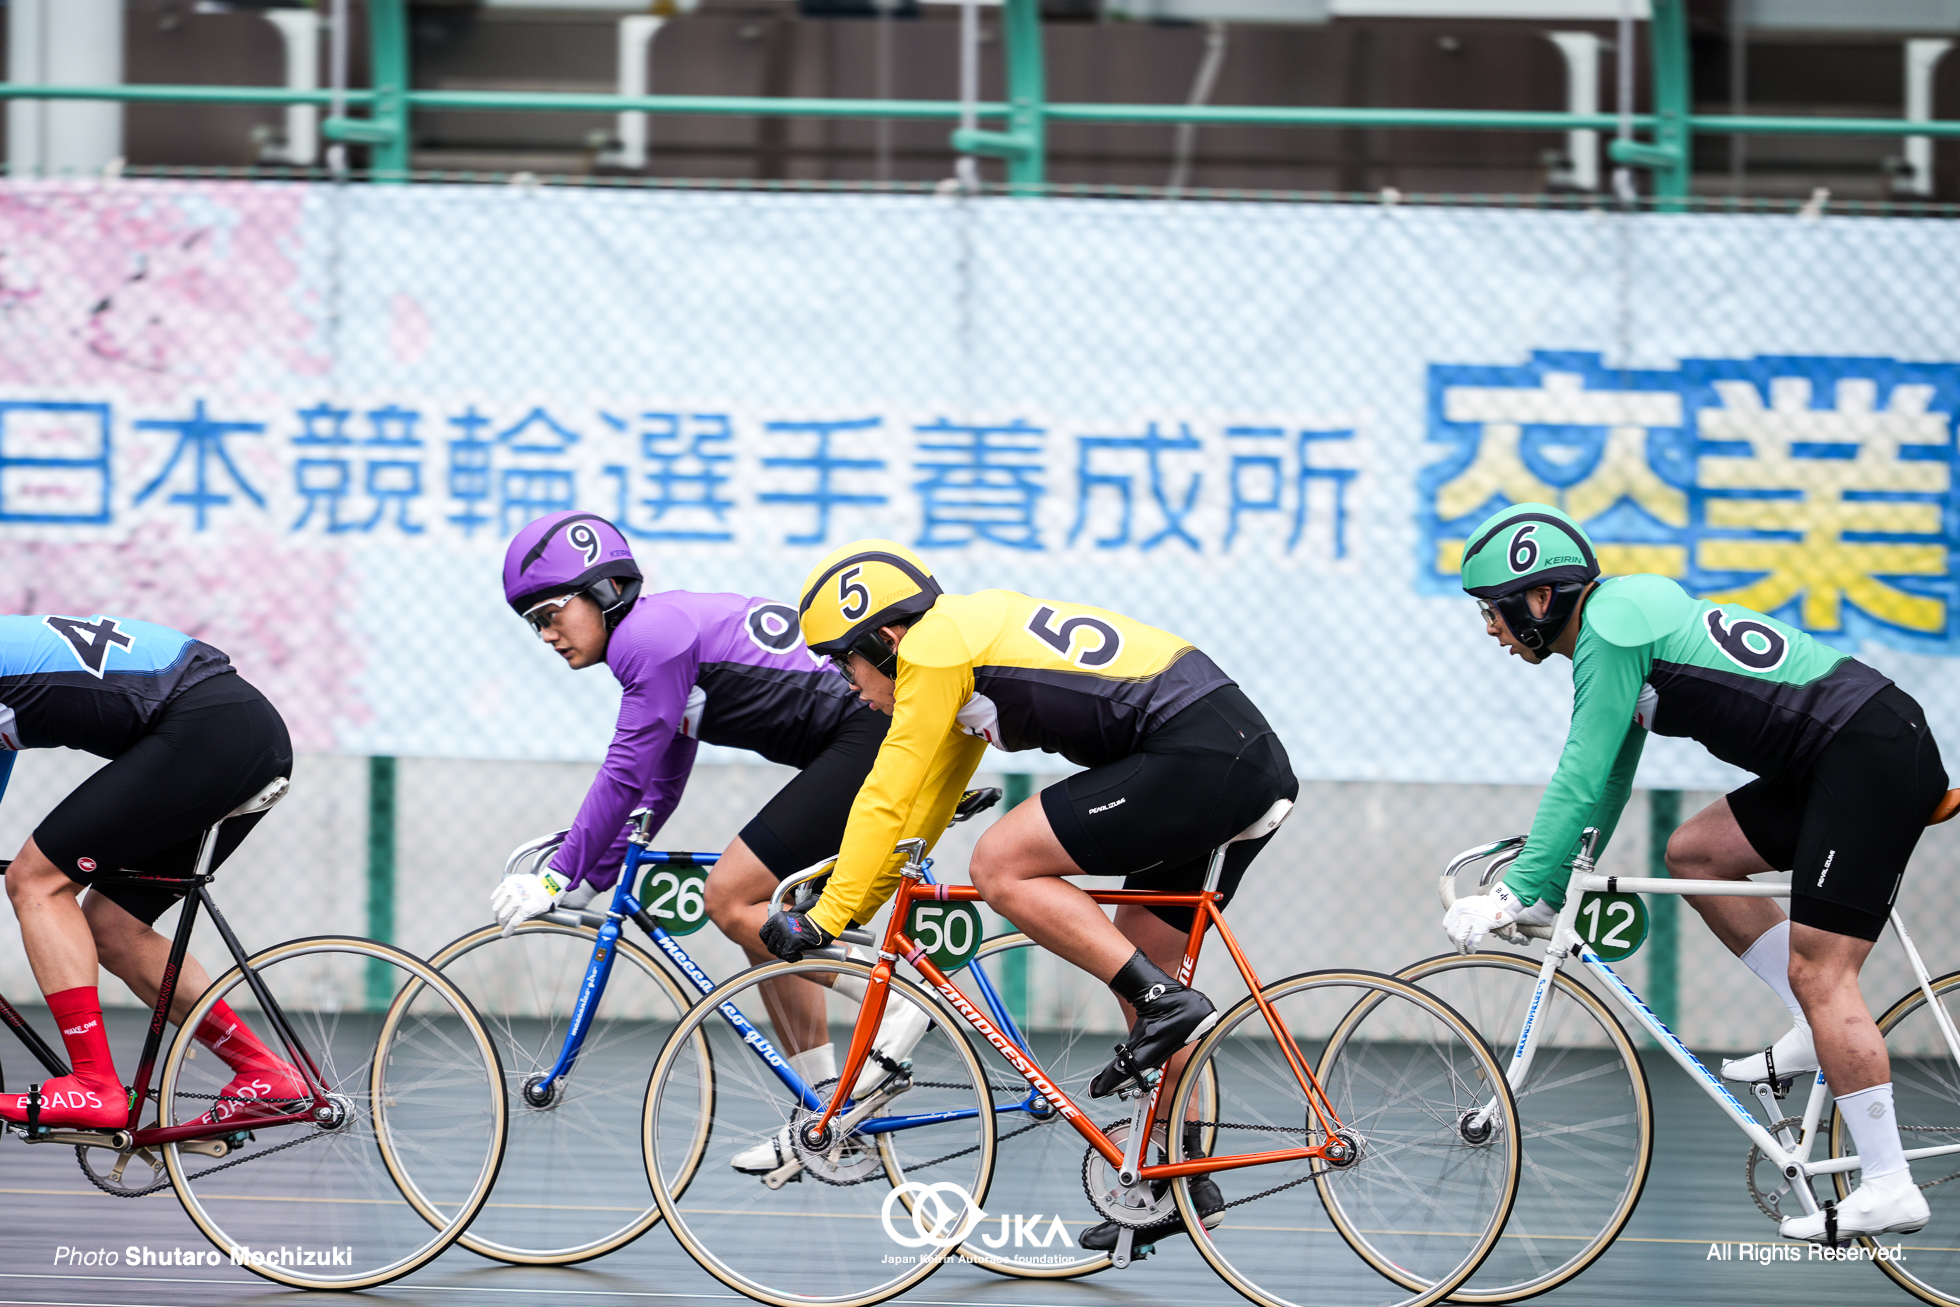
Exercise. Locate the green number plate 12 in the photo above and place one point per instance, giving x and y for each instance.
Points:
(676, 897)
(1614, 925)
(949, 931)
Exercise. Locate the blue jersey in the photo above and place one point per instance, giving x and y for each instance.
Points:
(95, 684)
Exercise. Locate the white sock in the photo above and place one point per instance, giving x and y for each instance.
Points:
(1769, 958)
(815, 1065)
(1873, 1129)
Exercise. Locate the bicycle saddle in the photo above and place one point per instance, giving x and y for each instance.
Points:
(265, 798)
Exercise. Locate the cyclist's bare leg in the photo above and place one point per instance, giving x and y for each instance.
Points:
(1824, 970)
(136, 954)
(738, 891)
(53, 928)
(1017, 866)
(1711, 846)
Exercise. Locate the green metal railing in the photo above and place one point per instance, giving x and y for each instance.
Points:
(1021, 139)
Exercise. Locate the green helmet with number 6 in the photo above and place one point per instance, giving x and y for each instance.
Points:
(1523, 547)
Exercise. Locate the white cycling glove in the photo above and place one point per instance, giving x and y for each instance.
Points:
(519, 898)
(1470, 919)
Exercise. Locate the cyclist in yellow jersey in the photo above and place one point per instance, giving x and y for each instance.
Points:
(1178, 762)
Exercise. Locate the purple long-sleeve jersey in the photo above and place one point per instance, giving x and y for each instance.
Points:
(725, 668)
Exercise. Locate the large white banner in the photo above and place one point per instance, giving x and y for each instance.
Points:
(302, 422)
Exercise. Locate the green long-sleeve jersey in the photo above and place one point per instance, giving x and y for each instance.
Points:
(1650, 657)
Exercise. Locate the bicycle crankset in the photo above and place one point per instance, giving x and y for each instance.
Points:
(843, 1158)
(1139, 1205)
(1775, 1187)
(113, 1172)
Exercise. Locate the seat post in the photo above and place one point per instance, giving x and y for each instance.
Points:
(1216, 871)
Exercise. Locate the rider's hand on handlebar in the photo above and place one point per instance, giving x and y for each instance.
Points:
(519, 898)
(1470, 919)
(788, 934)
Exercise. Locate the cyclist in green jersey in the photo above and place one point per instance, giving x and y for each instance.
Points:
(1847, 773)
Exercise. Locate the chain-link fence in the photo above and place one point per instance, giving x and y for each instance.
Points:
(300, 422)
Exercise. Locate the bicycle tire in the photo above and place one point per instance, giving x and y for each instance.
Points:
(572, 1217)
(1926, 1104)
(745, 1233)
(1409, 1149)
(440, 1082)
(1580, 1185)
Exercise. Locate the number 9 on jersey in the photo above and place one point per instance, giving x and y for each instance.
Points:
(1613, 925)
(949, 932)
(676, 897)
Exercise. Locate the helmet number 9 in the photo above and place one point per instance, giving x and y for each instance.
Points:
(1524, 550)
(853, 599)
(584, 539)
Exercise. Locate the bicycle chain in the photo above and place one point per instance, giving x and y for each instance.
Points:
(165, 1184)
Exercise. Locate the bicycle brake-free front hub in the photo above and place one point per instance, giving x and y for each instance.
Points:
(540, 1090)
(1476, 1126)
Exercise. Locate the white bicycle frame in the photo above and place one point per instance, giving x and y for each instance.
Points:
(1790, 1155)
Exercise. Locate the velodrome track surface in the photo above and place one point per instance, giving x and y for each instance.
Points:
(1695, 1196)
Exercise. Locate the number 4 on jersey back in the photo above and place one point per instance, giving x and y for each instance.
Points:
(90, 641)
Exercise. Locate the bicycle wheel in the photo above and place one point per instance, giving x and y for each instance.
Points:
(1926, 1103)
(418, 1129)
(1587, 1117)
(1402, 1073)
(567, 1191)
(834, 1228)
(1036, 1210)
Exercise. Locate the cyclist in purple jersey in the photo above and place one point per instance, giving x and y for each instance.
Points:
(722, 668)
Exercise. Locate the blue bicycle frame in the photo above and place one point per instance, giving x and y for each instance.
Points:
(625, 907)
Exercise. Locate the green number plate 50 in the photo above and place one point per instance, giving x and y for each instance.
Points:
(949, 931)
(676, 897)
(1614, 925)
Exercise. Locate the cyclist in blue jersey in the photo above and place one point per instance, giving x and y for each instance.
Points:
(727, 669)
(1848, 774)
(188, 740)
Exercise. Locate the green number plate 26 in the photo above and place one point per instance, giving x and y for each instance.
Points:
(676, 897)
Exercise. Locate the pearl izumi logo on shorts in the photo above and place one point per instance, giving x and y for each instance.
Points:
(1107, 806)
(1825, 870)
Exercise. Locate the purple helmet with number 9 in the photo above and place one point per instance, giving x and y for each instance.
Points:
(572, 553)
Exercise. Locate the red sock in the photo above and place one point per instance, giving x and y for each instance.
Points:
(231, 1039)
(78, 1014)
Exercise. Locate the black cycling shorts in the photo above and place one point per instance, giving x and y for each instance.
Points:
(211, 748)
(1848, 828)
(1155, 817)
(804, 824)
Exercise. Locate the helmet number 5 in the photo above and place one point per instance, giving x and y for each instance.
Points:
(853, 599)
(1524, 550)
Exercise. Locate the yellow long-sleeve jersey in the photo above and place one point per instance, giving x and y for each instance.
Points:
(1020, 673)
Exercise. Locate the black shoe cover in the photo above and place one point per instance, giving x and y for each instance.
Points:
(1166, 1021)
(1102, 1238)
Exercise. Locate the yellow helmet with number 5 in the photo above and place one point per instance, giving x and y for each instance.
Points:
(861, 587)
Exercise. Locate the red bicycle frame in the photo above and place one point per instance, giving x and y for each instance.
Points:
(1206, 914)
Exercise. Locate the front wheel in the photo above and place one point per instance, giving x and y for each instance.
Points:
(1587, 1117)
(571, 1191)
(1926, 1103)
(407, 1149)
(1430, 1128)
(841, 1223)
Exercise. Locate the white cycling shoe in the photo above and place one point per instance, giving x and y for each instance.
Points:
(898, 1034)
(1793, 1055)
(1890, 1204)
(765, 1156)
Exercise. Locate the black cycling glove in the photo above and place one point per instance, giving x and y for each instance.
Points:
(788, 934)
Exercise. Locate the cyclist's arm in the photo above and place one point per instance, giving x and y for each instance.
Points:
(1595, 772)
(922, 767)
(656, 671)
(662, 796)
